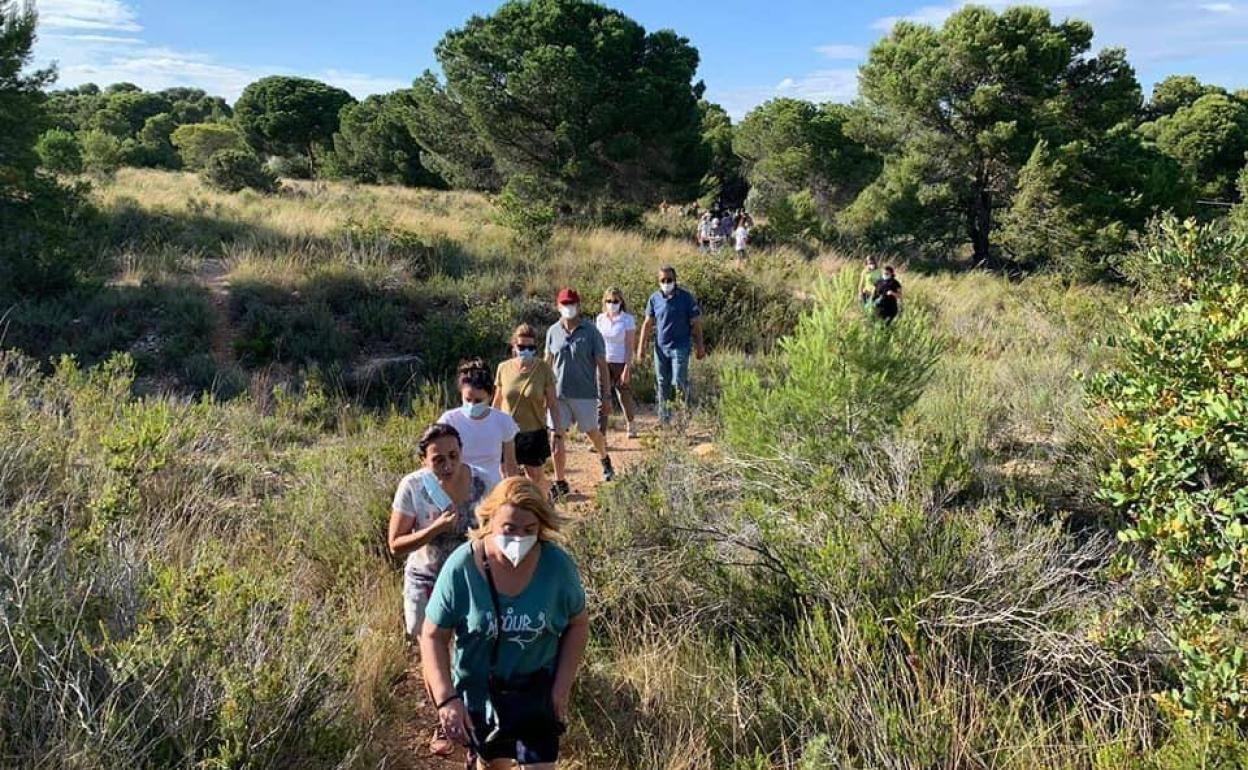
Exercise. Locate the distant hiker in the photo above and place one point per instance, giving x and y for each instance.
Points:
(727, 224)
(489, 435)
(887, 295)
(524, 387)
(704, 231)
(716, 237)
(740, 236)
(506, 696)
(578, 354)
(871, 274)
(619, 333)
(676, 319)
(433, 510)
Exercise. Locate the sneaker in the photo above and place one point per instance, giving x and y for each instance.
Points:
(608, 472)
(632, 430)
(560, 490)
(439, 744)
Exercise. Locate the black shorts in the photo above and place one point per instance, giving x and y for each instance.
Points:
(533, 448)
(531, 749)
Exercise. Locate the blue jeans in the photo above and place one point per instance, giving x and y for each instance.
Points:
(671, 367)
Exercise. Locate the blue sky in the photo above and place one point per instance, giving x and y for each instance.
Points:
(750, 51)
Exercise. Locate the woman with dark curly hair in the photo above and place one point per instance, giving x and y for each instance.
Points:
(489, 434)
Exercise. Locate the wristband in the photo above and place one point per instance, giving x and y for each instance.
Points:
(443, 704)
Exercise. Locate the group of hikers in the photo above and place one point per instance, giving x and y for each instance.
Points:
(477, 522)
(719, 226)
(478, 526)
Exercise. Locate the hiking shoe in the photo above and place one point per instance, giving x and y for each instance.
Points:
(632, 430)
(608, 472)
(559, 490)
(439, 744)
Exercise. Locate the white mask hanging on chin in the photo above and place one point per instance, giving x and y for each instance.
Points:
(515, 547)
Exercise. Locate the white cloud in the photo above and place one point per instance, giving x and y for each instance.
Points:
(1218, 7)
(108, 15)
(928, 14)
(75, 35)
(830, 85)
(838, 51)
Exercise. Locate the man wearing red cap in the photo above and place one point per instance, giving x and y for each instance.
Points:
(576, 351)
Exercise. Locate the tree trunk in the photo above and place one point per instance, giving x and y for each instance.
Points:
(980, 225)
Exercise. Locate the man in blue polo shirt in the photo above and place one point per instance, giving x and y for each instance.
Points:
(677, 320)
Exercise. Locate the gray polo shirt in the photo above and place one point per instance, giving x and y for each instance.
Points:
(575, 359)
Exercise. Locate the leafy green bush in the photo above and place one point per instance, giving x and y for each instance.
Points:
(527, 208)
(198, 142)
(1176, 410)
(59, 152)
(235, 170)
(101, 151)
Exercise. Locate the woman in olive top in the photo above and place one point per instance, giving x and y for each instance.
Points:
(524, 388)
(506, 696)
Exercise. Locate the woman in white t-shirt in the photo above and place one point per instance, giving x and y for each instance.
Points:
(619, 331)
(489, 435)
(740, 237)
(434, 508)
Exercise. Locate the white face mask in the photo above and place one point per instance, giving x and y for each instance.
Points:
(568, 312)
(515, 547)
(667, 286)
(613, 307)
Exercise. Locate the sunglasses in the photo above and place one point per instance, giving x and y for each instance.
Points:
(527, 348)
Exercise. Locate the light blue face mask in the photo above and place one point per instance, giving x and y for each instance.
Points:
(475, 411)
(526, 355)
(436, 493)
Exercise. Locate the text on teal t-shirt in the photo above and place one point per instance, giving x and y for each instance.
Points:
(533, 622)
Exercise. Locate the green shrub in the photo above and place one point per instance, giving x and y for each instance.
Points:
(527, 208)
(198, 142)
(60, 152)
(101, 151)
(236, 170)
(1176, 411)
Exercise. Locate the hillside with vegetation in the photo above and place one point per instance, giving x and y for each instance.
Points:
(1009, 530)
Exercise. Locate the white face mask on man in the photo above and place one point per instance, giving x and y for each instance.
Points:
(568, 312)
(515, 547)
(667, 287)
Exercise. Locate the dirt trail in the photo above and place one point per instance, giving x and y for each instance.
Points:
(406, 738)
(214, 274)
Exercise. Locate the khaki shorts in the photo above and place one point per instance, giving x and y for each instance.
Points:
(581, 411)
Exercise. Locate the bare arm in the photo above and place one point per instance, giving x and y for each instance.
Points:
(630, 346)
(643, 335)
(572, 652)
(401, 542)
(604, 386)
(552, 408)
(435, 656)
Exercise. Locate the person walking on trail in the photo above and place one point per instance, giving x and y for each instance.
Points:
(576, 351)
(433, 510)
(488, 434)
(524, 387)
(505, 694)
(871, 274)
(704, 231)
(740, 236)
(676, 320)
(619, 332)
(887, 295)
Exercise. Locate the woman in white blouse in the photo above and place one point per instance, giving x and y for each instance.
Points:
(619, 332)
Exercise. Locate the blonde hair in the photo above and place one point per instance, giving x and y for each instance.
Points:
(521, 493)
(616, 294)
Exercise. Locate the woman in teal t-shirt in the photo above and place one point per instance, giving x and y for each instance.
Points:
(506, 696)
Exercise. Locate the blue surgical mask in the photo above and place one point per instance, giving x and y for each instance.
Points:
(475, 411)
(526, 355)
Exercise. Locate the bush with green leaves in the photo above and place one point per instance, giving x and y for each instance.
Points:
(526, 206)
(102, 153)
(1177, 411)
(60, 152)
(235, 170)
(197, 143)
